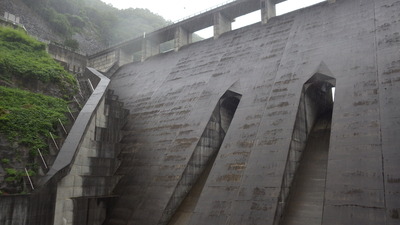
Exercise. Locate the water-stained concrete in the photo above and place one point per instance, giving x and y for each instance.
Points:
(171, 98)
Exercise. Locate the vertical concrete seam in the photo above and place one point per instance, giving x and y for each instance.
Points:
(379, 113)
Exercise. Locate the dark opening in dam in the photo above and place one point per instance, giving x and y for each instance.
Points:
(302, 196)
(189, 188)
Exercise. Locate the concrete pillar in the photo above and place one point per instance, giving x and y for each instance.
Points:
(11, 17)
(182, 38)
(149, 49)
(267, 10)
(221, 24)
(124, 57)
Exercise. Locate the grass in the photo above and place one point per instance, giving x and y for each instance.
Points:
(26, 118)
(24, 57)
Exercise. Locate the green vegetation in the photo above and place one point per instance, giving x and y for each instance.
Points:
(27, 118)
(15, 177)
(5, 161)
(24, 57)
(112, 25)
(71, 43)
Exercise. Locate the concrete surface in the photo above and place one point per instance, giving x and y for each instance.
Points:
(172, 127)
(171, 97)
(306, 200)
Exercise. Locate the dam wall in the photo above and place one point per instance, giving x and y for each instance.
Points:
(292, 120)
(350, 45)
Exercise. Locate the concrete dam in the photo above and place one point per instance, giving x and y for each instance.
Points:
(293, 120)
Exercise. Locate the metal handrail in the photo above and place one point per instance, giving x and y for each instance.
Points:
(203, 11)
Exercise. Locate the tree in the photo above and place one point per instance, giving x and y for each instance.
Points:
(72, 43)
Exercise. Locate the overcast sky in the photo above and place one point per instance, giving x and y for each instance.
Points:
(174, 10)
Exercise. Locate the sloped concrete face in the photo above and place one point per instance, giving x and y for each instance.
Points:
(171, 98)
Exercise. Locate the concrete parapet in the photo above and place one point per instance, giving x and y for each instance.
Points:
(74, 139)
(72, 61)
(104, 61)
(42, 203)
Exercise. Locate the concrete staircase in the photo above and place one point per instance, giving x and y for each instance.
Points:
(83, 195)
(99, 182)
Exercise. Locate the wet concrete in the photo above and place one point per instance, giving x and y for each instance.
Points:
(171, 98)
(306, 198)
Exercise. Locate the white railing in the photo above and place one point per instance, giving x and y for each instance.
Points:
(203, 11)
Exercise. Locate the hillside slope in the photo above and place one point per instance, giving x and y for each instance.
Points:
(34, 94)
(88, 25)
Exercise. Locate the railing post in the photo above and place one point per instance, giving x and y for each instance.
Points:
(41, 156)
(62, 125)
(69, 110)
(54, 141)
(91, 85)
(29, 178)
(76, 100)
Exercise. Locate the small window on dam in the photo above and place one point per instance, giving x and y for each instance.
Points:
(187, 192)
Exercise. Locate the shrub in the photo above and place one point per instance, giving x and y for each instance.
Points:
(5, 161)
(13, 38)
(24, 57)
(13, 175)
(72, 43)
(76, 21)
(28, 118)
